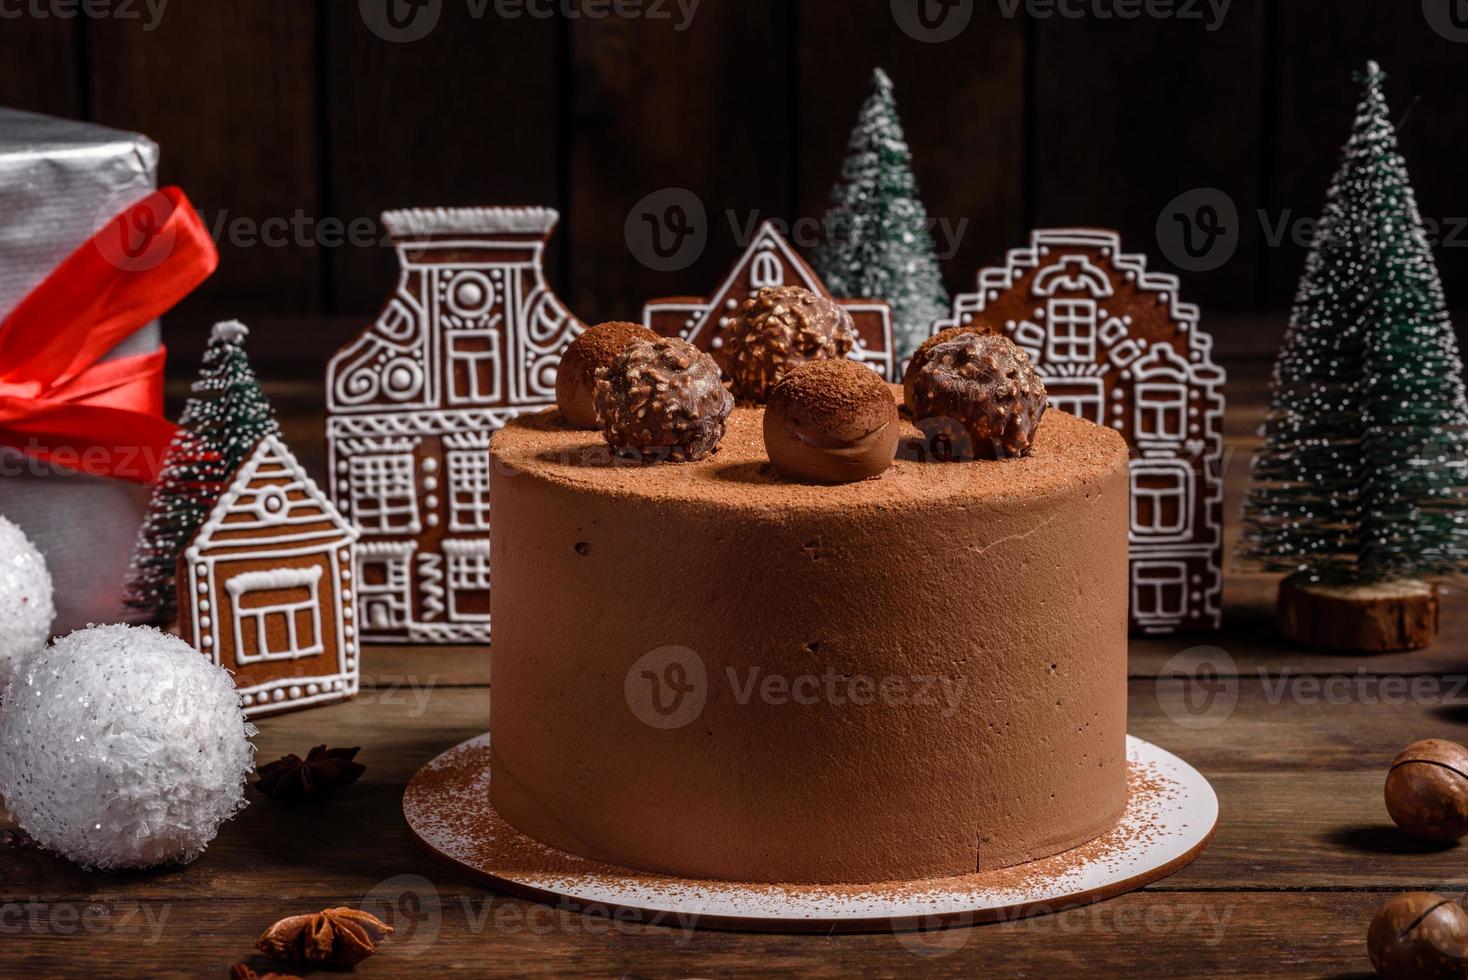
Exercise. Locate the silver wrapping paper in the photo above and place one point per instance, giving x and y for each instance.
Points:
(60, 180)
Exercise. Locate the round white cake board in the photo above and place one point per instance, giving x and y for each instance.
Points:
(1170, 815)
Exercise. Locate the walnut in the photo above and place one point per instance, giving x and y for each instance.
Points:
(339, 937)
(780, 328)
(662, 400)
(978, 397)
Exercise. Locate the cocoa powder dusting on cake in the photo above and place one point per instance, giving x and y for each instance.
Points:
(841, 393)
(1065, 501)
(484, 840)
(831, 422)
(1066, 452)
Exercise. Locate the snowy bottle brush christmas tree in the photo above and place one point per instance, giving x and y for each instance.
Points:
(878, 242)
(1360, 487)
(222, 421)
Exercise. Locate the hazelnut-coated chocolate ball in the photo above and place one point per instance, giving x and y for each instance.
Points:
(920, 356)
(778, 329)
(662, 400)
(576, 377)
(978, 397)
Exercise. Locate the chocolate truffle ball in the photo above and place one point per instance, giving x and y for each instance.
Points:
(576, 377)
(831, 422)
(662, 400)
(977, 397)
(1427, 790)
(1418, 935)
(778, 329)
(920, 356)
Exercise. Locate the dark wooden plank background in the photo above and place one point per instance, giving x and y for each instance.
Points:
(298, 123)
(1295, 743)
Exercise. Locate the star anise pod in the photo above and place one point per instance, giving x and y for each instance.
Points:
(332, 937)
(323, 771)
(243, 971)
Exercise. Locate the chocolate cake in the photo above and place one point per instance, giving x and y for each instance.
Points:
(710, 670)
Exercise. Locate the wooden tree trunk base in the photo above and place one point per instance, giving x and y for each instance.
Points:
(1376, 618)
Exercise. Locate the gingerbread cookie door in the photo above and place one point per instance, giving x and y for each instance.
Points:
(265, 587)
(770, 261)
(471, 337)
(1115, 345)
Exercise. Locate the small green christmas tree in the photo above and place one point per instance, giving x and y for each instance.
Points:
(878, 243)
(222, 421)
(1361, 478)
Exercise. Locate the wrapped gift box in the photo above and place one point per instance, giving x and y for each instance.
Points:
(60, 181)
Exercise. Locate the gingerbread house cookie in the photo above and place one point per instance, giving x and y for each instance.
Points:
(1115, 345)
(769, 260)
(471, 337)
(266, 586)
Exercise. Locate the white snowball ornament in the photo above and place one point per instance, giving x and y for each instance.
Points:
(123, 747)
(26, 606)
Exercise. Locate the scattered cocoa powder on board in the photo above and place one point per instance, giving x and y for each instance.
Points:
(449, 803)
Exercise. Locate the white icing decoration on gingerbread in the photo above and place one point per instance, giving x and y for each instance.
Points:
(264, 570)
(1047, 297)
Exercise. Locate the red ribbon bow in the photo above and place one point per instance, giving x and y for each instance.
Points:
(59, 402)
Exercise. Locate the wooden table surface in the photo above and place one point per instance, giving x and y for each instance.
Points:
(1295, 743)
